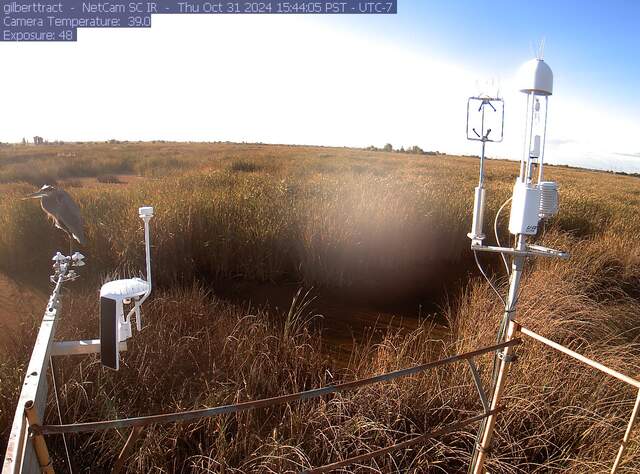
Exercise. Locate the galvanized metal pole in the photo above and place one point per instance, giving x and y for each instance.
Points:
(627, 435)
(482, 448)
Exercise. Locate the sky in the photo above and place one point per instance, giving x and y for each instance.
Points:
(340, 80)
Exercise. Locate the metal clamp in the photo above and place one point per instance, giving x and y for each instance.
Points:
(35, 430)
(507, 358)
(482, 450)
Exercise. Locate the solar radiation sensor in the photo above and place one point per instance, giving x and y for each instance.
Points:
(115, 296)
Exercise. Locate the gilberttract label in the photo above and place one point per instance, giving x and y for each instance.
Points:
(59, 21)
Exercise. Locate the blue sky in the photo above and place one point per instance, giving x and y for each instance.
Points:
(340, 80)
(594, 46)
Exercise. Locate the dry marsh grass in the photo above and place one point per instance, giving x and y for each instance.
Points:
(269, 219)
(379, 224)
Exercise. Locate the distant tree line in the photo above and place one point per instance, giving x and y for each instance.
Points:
(414, 150)
(38, 140)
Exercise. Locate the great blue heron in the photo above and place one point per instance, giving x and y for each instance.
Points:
(60, 207)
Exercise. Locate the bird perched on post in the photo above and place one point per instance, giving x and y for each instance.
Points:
(60, 207)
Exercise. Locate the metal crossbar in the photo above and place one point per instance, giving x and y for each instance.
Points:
(602, 368)
(580, 357)
(192, 415)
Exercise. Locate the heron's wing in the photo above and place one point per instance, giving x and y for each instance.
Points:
(70, 216)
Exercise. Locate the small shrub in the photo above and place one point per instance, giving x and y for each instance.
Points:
(244, 166)
(108, 179)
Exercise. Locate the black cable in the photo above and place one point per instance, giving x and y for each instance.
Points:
(495, 231)
(495, 290)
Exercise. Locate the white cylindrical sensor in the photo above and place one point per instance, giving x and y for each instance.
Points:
(478, 215)
(535, 149)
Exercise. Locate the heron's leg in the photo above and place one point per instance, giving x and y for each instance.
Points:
(70, 246)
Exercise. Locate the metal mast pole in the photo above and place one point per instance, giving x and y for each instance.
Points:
(488, 425)
(526, 213)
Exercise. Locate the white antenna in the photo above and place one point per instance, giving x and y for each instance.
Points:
(540, 55)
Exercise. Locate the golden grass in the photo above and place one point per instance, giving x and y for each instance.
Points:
(378, 224)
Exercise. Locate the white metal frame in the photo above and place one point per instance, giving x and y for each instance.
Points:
(22, 456)
(602, 368)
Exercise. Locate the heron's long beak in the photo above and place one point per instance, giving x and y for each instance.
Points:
(37, 194)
